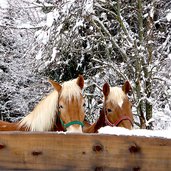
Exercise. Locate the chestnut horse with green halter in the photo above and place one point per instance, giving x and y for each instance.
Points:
(116, 109)
(70, 110)
(62, 109)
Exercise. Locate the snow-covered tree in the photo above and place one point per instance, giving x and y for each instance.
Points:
(21, 88)
(105, 40)
(111, 40)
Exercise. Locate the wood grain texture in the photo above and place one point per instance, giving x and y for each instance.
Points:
(53, 151)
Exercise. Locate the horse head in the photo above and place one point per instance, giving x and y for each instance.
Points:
(70, 107)
(117, 107)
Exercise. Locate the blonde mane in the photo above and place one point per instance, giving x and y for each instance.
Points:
(70, 89)
(116, 95)
(42, 118)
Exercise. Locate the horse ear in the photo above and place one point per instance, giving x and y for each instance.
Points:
(56, 85)
(126, 87)
(106, 89)
(80, 81)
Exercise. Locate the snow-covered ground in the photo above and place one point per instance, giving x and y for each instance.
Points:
(135, 132)
(161, 119)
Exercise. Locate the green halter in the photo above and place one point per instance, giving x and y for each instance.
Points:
(70, 123)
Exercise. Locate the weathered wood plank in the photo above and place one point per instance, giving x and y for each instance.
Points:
(52, 151)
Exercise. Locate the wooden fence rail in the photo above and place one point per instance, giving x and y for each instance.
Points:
(92, 152)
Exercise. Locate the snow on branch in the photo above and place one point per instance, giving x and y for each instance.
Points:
(29, 27)
(96, 19)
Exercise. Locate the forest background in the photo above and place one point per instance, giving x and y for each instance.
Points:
(105, 40)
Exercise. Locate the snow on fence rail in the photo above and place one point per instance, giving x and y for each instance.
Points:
(56, 151)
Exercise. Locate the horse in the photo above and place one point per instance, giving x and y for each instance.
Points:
(61, 110)
(8, 126)
(116, 111)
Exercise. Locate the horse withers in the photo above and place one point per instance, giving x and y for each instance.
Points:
(116, 111)
(61, 110)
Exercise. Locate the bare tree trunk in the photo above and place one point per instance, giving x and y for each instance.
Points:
(140, 61)
(148, 73)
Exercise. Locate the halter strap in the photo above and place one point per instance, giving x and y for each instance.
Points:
(118, 121)
(70, 123)
(73, 123)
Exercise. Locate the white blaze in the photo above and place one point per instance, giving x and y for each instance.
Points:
(116, 95)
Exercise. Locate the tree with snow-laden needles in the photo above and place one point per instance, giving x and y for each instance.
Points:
(113, 40)
(20, 88)
(109, 41)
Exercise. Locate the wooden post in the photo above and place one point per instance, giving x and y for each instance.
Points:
(53, 151)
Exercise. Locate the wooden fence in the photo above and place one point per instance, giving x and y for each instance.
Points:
(91, 152)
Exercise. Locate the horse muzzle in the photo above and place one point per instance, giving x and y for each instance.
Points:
(74, 128)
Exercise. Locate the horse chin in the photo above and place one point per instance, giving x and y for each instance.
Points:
(74, 129)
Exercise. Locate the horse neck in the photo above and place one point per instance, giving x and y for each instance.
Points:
(97, 125)
(101, 121)
(7, 126)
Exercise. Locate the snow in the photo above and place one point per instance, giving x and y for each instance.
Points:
(50, 19)
(51, 16)
(3, 4)
(56, 14)
(161, 117)
(152, 12)
(42, 36)
(67, 6)
(78, 23)
(39, 55)
(25, 25)
(168, 17)
(88, 7)
(59, 28)
(146, 15)
(135, 132)
(54, 54)
(169, 56)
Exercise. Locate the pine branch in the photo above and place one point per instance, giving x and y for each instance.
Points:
(115, 45)
(140, 21)
(20, 28)
(119, 18)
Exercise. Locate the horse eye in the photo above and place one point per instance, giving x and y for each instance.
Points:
(84, 105)
(109, 110)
